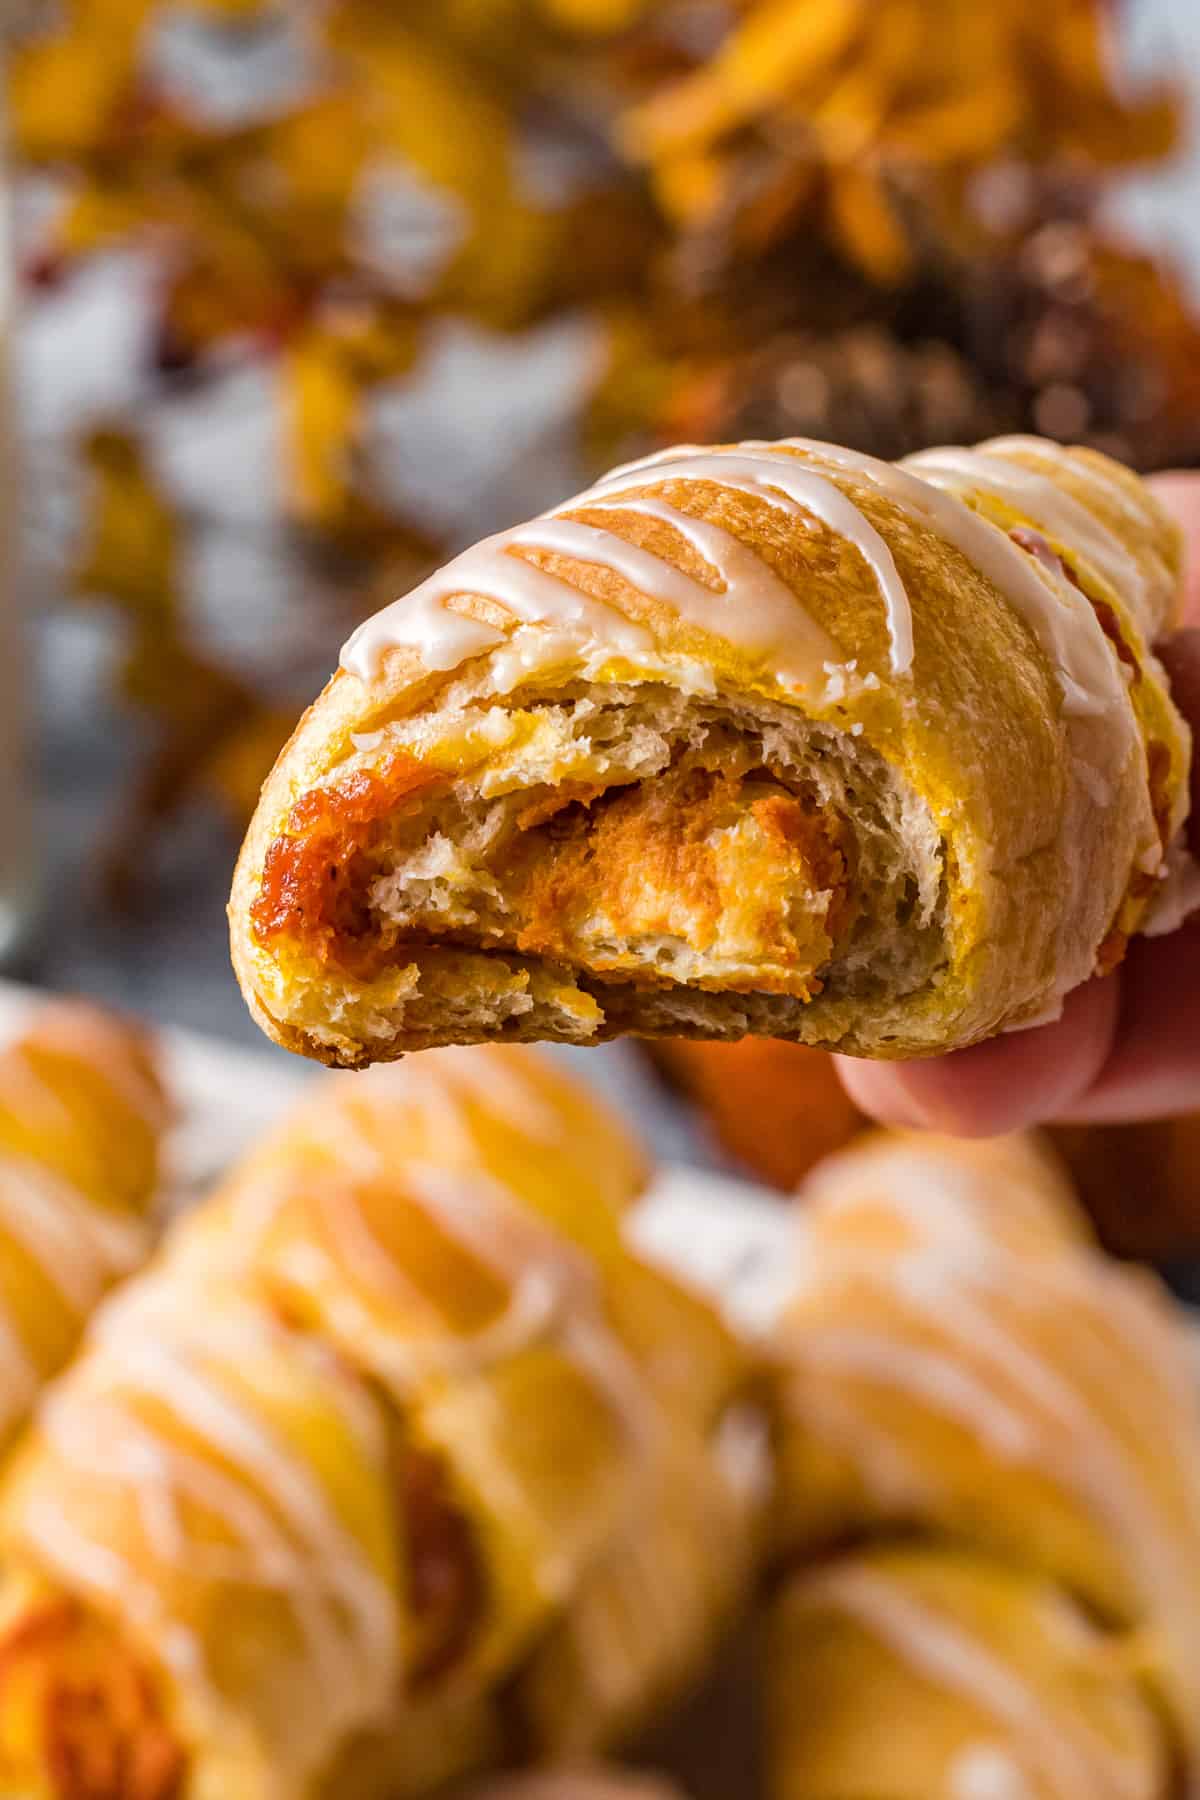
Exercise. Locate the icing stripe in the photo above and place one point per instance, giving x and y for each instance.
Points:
(1051, 508)
(808, 492)
(757, 611)
(1059, 616)
(1076, 1763)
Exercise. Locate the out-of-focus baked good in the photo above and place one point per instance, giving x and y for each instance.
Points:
(83, 1113)
(391, 1465)
(963, 1368)
(917, 1673)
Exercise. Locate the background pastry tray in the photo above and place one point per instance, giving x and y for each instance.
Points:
(728, 1237)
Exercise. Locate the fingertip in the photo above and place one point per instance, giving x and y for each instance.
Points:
(1006, 1084)
(885, 1091)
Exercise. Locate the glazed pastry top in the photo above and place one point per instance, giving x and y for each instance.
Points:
(740, 597)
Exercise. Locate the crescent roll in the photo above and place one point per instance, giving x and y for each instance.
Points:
(768, 738)
(370, 1482)
(960, 1364)
(82, 1119)
(918, 1673)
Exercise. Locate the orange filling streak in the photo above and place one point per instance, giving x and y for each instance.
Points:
(446, 1581)
(97, 1723)
(316, 877)
(644, 858)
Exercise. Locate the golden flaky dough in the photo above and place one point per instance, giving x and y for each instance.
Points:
(766, 739)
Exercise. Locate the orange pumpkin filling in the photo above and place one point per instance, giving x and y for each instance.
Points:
(700, 859)
(705, 858)
(317, 876)
(79, 1717)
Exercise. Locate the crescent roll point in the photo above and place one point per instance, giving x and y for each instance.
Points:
(769, 738)
(962, 1369)
(373, 1477)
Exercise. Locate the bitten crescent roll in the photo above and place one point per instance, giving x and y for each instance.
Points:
(963, 1368)
(766, 738)
(381, 1475)
(82, 1119)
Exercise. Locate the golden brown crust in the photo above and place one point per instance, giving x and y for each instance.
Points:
(1047, 862)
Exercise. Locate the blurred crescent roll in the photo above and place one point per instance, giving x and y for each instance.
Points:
(82, 1118)
(388, 1466)
(962, 1367)
(768, 738)
(914, 1673)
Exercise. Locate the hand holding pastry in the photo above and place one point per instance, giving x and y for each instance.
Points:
(1126, 1048)
(767, 738)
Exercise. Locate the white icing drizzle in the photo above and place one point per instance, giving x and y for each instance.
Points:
(988, 1772)
(79, 1247)
(754, 609)
(950, 1203)
(1059, 616)
(1050, 508)
(1100, 726)
(1045, 1422)
(1132, 502)
(745, 469)
(451, 1098)
(514, 1245)
(409, 1361)
(445, 639)
(283, 1532)
(551, 1285)
(52, 1238)
(969, 1342)
(1075, 1762)
(929, 1375)
(196, 1394)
